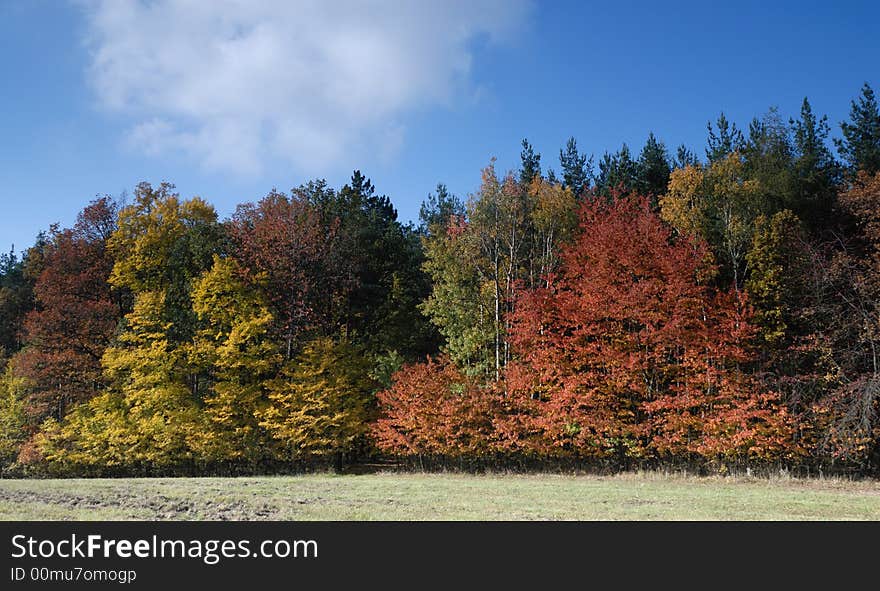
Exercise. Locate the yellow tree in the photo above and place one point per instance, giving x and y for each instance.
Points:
(148, 417)
(718, 204)
(233, 349)
(323, 402)
(554, 217)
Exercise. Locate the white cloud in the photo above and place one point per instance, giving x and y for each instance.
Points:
(234, 82)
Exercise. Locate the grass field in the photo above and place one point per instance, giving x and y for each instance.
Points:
(389, 496)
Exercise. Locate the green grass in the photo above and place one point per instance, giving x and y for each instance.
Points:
(390, 496)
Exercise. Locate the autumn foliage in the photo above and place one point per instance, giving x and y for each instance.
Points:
(434, 409)
(625, 354)
(659, 310)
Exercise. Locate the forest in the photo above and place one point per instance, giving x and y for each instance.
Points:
(661, 307)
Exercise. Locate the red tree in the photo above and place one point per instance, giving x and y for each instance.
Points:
(75, 316)
(433, 409)
(283, 245)
(627, 354)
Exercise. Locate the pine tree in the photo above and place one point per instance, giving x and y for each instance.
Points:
(617, 172)
(576, 168)
(860, 145)
(437, 210)
(728, 139)
(816, 174)
(684, 157)
(653, 168)
(531, 164)
(769, 160)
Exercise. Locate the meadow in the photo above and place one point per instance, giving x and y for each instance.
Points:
(420, 496)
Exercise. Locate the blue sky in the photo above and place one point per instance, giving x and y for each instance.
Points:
(230, 99)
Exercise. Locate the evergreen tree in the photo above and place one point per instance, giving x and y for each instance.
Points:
(653, 169)
(816, 174)
(576, 168)
(381, 311)
(684, 157)
(617, 172)
(860, 145)
(531, 164)
(729, 139)
(768, 159)
(437, 209)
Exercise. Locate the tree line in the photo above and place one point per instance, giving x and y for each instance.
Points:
(663, 307)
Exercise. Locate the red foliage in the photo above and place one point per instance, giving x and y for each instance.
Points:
(433, 409)
(282, 243)
(75, 317)
(628, 355)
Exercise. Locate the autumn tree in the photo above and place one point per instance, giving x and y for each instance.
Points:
(75, 317)
(627, 352)
(284, 245)
(148, 418)
(553, 220)
(162, 243)
(149, 415)
(237, 358)
(433, 409)
(508, 239)
(777, 260)
(322, 403)
(719, 204)
(850, 329)
(13, 416)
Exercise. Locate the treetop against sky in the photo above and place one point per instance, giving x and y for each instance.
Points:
(229, 100)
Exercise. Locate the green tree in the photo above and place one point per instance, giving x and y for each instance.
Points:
(617, 172)
(860, 145)
(576, 168)
(381, 311)
(458, 304)
(437, 209)
(653, 168)
(531, 164)
(684, 157)
(726, 141)
(769, 160)
(17, 277)
(816, 173)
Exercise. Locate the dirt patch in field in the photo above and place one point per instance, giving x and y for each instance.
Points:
(147, 506)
